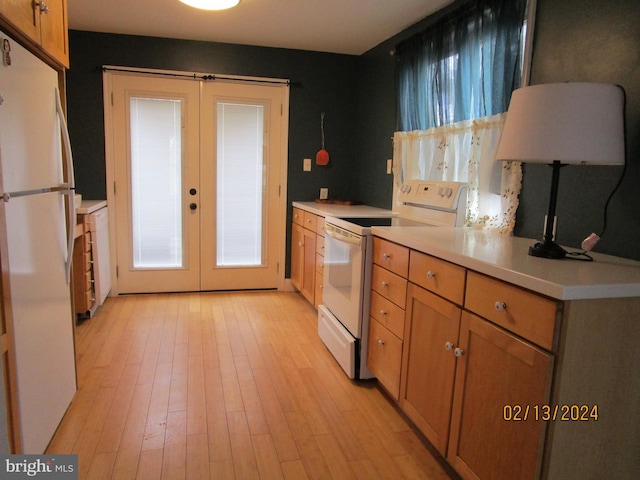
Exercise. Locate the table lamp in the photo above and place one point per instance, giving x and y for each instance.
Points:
(563, 124)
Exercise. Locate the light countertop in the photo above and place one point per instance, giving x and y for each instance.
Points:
(506, 258)
(90, 206)
(333, 210)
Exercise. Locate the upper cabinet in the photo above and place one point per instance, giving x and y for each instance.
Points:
(43, 23)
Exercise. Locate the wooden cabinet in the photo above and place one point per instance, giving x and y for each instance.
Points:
(44, 23)
(386, 327)
(428, 367)
(497, 373)
(83, 281)
(304, 253)
(467, 347)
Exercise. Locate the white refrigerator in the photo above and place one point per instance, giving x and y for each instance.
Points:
(33, 195)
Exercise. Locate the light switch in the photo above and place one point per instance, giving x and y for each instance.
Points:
(306, 165)
(389, 166)
(324, 193)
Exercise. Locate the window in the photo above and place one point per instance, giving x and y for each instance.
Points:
(454, 81)
(463, 67)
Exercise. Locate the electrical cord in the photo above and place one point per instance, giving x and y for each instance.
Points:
(589, 242)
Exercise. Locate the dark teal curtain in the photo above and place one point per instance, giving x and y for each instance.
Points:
(463, 67)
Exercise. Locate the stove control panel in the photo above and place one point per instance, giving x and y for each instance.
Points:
(432, 194)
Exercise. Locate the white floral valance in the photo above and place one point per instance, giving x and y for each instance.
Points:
(464, 152)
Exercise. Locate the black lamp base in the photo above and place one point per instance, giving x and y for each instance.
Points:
(547, 249)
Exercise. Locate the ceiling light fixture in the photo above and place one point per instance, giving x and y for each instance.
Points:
(211, 4)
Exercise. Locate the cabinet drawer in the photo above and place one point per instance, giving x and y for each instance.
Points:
(320, 226)
(310, 220)
(384, 357)
(86, 280)
(320, 245)
(86, 261)
(391, 256)
(524, 313)
(298, 216)
(388, 314)
(85, 242)
(389, 285)
(437, 276)
(88, 299)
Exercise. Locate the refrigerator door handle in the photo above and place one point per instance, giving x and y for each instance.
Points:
(70, 185)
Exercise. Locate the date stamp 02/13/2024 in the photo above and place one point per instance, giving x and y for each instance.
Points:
(550, 413)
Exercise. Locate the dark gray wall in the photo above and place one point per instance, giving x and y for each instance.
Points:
(591, 41)
(575, 40)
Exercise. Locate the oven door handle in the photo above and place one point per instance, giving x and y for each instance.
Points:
(350, 239)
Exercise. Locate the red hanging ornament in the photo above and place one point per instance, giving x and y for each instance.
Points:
(322, 157)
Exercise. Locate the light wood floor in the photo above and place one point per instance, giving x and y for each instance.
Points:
(227, 385)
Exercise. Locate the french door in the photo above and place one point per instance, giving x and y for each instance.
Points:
(197, 179)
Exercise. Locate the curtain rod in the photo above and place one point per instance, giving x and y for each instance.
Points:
(200, 76)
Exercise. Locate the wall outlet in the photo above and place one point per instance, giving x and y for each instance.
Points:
(324, 193)
(306, 165)
(389, 166)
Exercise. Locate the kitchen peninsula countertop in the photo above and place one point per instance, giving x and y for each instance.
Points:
(336, 210)
(506, 258)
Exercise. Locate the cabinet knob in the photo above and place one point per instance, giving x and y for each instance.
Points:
(381, 342)
(386, 256)
(43, 6)
(300, 244)
(383, 313)
(431, 275)
(501, 306)
(384, 284)
(448, 346)
(458, 352)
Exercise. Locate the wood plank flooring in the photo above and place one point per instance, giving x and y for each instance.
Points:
(227, 386)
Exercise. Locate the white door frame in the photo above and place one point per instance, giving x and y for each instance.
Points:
(108, 71)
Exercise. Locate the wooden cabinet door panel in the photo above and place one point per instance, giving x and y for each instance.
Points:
(496, 370)
(24, 15)
(428, 367)
(53, 30)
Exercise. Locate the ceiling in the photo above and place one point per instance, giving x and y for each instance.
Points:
(336, 26)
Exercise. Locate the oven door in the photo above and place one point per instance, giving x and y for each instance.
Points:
(344, 264)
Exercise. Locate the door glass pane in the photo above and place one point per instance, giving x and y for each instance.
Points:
(156, 182)
(240, 185)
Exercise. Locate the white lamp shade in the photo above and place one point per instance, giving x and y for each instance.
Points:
(574, 123)
(211, 4)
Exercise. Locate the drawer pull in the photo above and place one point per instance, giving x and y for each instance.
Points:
(386, 256)
(385, 284)
(448, 346)
(383, 313)
(431, 275)
(501, 306)
(458, 352)
(381, 343)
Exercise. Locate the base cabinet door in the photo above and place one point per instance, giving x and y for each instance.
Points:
(428, 364)
(499, 381)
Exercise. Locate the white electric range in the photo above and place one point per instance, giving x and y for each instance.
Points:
(343, 319)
